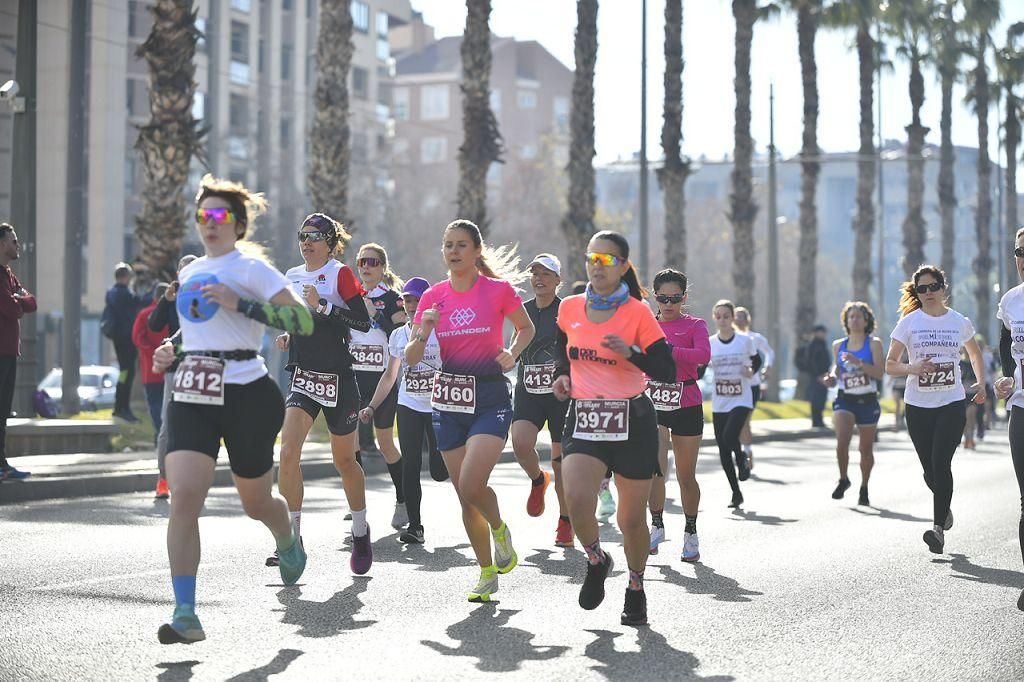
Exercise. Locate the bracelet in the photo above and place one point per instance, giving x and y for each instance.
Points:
(372, 407)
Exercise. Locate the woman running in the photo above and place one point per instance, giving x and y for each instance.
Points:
(222, 391)
(415, 426)
(680, 408)
(1011, 356)
(608, 341)
(534, 403)
(932, 335)
(743, 321)
(471, 401)
(322, 378)
(734, 360)
(856, 368)
(370, 351)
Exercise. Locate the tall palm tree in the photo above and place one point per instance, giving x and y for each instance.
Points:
(860, 15)
(578, 223)
(673, 173)
(1010, 67)
(481, 144)
(330, 137)
(169, 141)
(910, 23)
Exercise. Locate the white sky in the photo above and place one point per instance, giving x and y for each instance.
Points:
(707, 79)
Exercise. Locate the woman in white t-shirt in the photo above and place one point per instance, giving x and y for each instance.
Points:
(222, 391)
(932, 336)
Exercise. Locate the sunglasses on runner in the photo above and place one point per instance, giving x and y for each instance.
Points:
(217, 215)
(606, 259)
(369, 262)
(1019, 252)
(311, 236)
(925, 288)
(673, 299)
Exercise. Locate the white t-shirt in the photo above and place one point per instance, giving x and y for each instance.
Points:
(376, 336)
(731, 389)
(938, 339)
(1011, 313)
(431, 362)
(324, 279)
(205, 326)
(766, 352)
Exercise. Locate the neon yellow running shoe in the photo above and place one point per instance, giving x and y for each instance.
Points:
(505, 557)
(487, 586)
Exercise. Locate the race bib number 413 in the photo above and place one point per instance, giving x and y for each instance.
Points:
(602, 420)
(538, 378)
(199, 380)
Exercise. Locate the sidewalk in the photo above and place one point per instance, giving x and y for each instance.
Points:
(88, 475)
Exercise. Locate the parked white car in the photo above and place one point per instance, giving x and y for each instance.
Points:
(96, 388)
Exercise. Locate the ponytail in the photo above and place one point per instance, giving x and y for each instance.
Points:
(909, 298)
(632, 277)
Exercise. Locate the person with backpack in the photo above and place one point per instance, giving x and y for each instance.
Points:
(119, 313)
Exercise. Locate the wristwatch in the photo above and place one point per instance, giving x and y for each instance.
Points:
(322, 307)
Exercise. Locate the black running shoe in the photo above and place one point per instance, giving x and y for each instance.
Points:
(935, 540)
(413, 535)
(737, 500)
(634, 611)
(592, 591)
(863, 499)
(742, 466)
(844, 485)
(1020, 601)
(273, 560)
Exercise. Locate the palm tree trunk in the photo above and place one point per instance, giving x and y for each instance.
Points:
(578, 223)
(947, 187)
(169, 141)
(742, 209)
(673, 173)
(983, 216)
(481, 144)
(913, 224)
(864, 222)
(330, 137)
(1012, 128)
(807, 303)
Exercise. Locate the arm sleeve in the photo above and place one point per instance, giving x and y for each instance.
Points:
(390, 308)
(755, 362)
(1005, 354)
(161, 315)
(352, 293)
(562, 353)
(656, 362)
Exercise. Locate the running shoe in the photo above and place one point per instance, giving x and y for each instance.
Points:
(292, 562)
(634, 611)
(657, 537)
(949, 520)
(841, 488)
(737, 500)
(162, 491)
(605, 505)
(362, 553)
(126, 415)
(750, 459)
(400, 519)
(9, 473)
(935, 540)
(273, 560)
(413, 535)
(691, 548)
(535, 502)
(563, 534)
(184, 627)
(505, 557)
(863, 499)
(592, 590)
(487, 586)
(742, 466)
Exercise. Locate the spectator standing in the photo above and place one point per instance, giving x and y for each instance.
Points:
(146, 341)
(15, 301)
(122, 307)
(819, 361)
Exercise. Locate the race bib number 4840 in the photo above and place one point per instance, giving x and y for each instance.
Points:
(199, 380)
(602, 420)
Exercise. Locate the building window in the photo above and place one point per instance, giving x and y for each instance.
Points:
(360, 83)
(129, 96)
(238, 114)
(242, 5)
(383, 49)
(528, 151)
(495, 100)
(382, 25)
(360, 16)
(526, 99)
(240, 42)
(434, 102)
(136, 18)
(201, 27)
(561, 106)
(260, 52)
(286, 5)
(310, 8)
(238, 147)
(400, 103)
(286, 62)
(286, 133)
(238, 73)
(199, 106)
(433, 149)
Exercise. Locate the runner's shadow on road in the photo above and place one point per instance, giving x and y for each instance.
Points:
(655, 654)
(325, 619)
(744, 515)
(769, 481)
(707, 581)
(176, 672)
(609, 532)
(569, 563)
(485, 635)
(437, 561)
(888, 514)
(280, 663)
(966, 570)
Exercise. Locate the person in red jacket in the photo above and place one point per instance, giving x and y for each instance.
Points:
(15, 301)
(147, 341)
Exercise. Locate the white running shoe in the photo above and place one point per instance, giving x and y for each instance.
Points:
(605, 505)
(657, 537)
(505, 557)
(401, 518)
(691, 548)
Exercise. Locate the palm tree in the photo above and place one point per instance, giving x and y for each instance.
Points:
(673, 173)
(910, 23)
(860, 15)
(330, 143)
(1010, 67)
(169, 141)
(578, 223)
(481, 145)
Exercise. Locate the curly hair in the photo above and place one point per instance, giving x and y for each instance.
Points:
(865, 309)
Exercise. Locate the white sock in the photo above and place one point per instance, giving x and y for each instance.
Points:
(359, 526)
(296, 520)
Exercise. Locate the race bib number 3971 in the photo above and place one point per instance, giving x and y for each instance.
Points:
(602, 420)
(199, 380)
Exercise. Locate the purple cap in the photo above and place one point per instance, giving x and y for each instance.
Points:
(415, 287)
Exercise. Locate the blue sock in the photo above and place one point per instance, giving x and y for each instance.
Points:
(184, 589)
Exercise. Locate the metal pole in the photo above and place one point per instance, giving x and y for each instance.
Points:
(71, 338)
(882, 303)
(1002, 240)
(23, 196)
(773, 249)
(644, 255)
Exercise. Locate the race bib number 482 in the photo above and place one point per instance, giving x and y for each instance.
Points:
(666, 397)
(199, 380)
(602, 420)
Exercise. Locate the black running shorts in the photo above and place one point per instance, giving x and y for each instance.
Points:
(636, 458)
(538, 408)
(384, 415)
(343, 418)
(685, 421)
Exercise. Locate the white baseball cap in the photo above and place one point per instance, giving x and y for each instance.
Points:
(548, 261)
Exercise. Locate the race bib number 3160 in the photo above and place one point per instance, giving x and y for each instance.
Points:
(454, 393)
(602, 420)
(199, 380)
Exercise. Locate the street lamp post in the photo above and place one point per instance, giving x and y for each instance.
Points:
(644, 257)
(773, 248)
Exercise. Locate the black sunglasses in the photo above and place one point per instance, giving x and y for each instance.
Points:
(925, 288)
(675, 298)
(312, 236)
(1019, 252)
(369, 262)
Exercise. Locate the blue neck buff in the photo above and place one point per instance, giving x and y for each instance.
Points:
(599, 302)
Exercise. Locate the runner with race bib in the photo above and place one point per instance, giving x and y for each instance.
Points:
(680, 409)
(472, 406)
(932, 335)
(221, 390)
(743, 321)
(608, 340)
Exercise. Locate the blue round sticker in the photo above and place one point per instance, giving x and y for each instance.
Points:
(191, 304)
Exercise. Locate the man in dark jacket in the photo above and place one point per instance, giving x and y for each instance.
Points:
(15, 301)
(123, 307)
(819, 360)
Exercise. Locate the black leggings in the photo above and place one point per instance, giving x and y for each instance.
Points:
(936, 433)
(413, 428)
(727, 434)
(1017, 454)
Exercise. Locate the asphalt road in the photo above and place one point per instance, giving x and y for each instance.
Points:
(794, 586)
